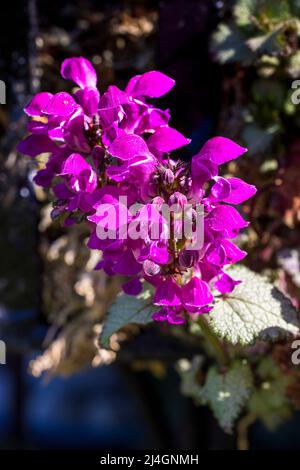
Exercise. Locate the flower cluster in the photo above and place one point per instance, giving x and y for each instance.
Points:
(104, 148)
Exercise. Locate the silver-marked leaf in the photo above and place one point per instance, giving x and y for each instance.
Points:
(255, 309)
(125, 310)
(227, 393)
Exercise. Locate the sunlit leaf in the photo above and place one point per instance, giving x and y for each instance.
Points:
(255, 309)
(227, 393)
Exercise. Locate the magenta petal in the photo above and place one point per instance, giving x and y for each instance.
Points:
(226, 283)
(113, 97)
(156, 252)
(240, 191)
(61, 104)
(221, 189)
(88, 98)
(195, 294)
(160, 316)
(38, 103)
(233, 253)
(74, 165)
(169, 315)
(221, 150)
(126, 264)
(81, 176)
(37, 127)
(73, 132)
(61, 191)
(43, 178)
(166, 139)
(80, 71)
(205, 309)
(167, 293)
(202, 170)
(175, 319)
(128, 146)
(117, 173)
(159, 253)
(151, 84)
(216, 254)
(208, 271)
(55, 127)
(132, 287)
(152, 119)
(36, 144)
(226, 218)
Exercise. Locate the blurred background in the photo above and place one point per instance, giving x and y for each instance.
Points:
(58, 389)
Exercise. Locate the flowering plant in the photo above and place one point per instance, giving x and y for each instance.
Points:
(105, 151)
(103, 148)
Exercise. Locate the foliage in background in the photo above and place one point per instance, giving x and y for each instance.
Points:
(257, 45)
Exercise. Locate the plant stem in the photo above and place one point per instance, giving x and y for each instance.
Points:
(219, 350)
(242, 431)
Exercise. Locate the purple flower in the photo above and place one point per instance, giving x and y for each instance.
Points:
(35, 144)
(220, 150)
(133, 286)
(168, 293)
(102, 148)
(61, 104)
(79, 71)
(168, 315)
(88, 98)
(166, 139)
(38, 103)
(74, 132)
(226, 283)
(150, 84)
(196, 294)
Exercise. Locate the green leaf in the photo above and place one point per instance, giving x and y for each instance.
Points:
(227, 393)
(265, 12)
(125, 310)
(295, 7)
(228, 45)
(244, 11)
(273, 42)
(268, 92)
(269, 402)
(255, 309)
(257, 139)
(293, 67)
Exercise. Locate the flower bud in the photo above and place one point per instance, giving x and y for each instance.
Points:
(158, 202)
(151, 268)
(178, 198)
(188, 258)
(168, 176)
(98, 155)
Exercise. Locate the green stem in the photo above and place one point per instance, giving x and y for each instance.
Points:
(214, 341)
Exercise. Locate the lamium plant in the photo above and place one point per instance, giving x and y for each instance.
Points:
(110, 167)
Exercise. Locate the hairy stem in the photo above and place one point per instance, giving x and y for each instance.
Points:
(214, 341)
